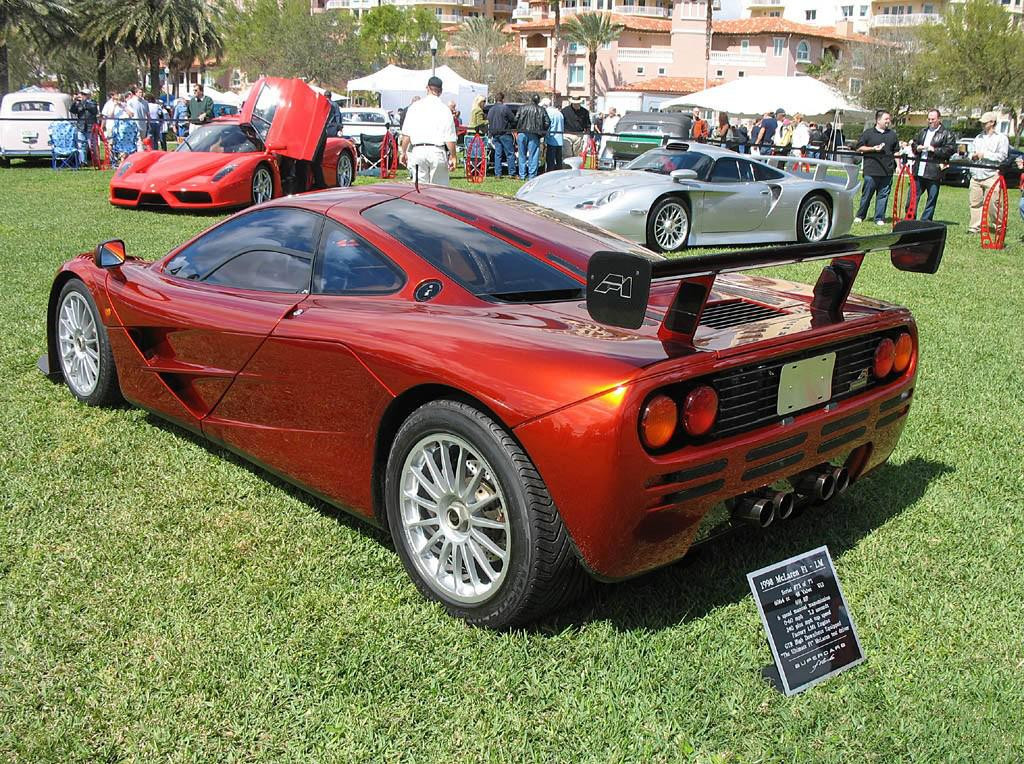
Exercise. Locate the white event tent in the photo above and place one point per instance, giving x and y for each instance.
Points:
(753, 96)
(398, 86)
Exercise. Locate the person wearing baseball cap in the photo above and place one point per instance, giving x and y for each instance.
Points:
(990, 148)
(427, 133)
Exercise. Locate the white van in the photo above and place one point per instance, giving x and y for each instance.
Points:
(25, 119)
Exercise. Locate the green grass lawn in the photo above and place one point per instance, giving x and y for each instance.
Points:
(160, 599)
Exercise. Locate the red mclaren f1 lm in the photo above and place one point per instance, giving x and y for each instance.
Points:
(521, 401)
(240, 160)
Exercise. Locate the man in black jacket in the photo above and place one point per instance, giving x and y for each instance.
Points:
(533, 123)
(85, 111)
(500, 124)
(933, 142)
(878, 145)
(577, 123)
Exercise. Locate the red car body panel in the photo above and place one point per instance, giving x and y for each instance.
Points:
(295, 112)
(304, 385)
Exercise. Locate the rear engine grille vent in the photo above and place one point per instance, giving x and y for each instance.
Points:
(748, 396)
(721, 315)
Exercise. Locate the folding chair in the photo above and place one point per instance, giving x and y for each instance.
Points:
(124, 140)
(370, 154)
(64, 146)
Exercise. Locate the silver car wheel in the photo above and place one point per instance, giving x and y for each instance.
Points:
(344, 171)
(79, 344)
(262, 186)
(815, 222)
(671, 226)
(454, 519)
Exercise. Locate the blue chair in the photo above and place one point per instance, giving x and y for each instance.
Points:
(124, 140)
(64, 146)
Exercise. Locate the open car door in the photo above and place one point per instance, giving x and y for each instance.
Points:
(288, 115)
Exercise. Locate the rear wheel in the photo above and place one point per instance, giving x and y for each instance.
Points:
(472, 520)
(668, 225)
(83, 347)
(345, 171)
(262, 185)
(814, 220)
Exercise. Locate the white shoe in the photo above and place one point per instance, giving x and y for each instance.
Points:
(880, 222)
(858, 220)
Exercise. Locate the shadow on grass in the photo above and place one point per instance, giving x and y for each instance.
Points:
(714, 575)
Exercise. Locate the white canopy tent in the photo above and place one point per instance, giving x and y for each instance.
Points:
(227, 97)
(398, 86)
(753, 96)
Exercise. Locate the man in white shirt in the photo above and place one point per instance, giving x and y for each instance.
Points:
(991, 148)
(428, 130)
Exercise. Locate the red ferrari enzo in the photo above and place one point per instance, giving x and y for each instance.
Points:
(240, 160)
(520, 400)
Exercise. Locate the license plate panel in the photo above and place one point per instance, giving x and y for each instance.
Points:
(805, 383)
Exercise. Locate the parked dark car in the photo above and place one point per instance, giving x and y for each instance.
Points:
(961, 176)
(640, 131)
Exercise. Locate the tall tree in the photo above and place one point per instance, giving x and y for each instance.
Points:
(485, 53)
(391, 35)
(708, 22)
(556, 44)
(592, 31)
(38, 21)
(975, 56)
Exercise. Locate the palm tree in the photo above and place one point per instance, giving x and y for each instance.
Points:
(40, 21)
(592, 30)
(482, 39)
(556, 40)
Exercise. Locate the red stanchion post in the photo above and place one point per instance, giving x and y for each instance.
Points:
(100, 148)
(476, 160)
(389, 157)
(993, 232)
(898, 211)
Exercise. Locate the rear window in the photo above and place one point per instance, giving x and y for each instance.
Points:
(484, 264)
(32, 106)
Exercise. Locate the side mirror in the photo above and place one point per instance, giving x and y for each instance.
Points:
(679, 175)
(110, 254)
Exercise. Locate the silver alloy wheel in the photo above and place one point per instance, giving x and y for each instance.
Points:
(262, 186)
(344, 176)
(79, 344)
(671, 226)
(454, 519)
(815, 221)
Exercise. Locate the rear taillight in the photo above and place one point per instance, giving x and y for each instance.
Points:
(658, 421)
(904, 352)
(700, 409)
(885, 356)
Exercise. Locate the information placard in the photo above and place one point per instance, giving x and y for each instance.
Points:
(809, 627)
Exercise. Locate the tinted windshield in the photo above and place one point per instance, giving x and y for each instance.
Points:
(222, 139)
(362, 116)
(484, 264)
(664, 162)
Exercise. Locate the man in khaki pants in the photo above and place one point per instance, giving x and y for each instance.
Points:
(990, 148)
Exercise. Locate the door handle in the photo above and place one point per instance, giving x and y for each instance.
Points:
(765, 193)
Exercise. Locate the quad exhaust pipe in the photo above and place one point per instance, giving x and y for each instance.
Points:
(842, 479)
(782, 502)
(754, 510)
(818, 484)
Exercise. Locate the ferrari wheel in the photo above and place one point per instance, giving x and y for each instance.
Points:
(84, 349)
(472, 520)
(814, 220)
(262, 185)
(345, 171)
(668, 225)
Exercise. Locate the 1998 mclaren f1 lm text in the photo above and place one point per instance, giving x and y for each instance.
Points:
(520, 401)
(694, 195)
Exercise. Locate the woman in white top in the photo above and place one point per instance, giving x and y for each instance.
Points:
(801, 135)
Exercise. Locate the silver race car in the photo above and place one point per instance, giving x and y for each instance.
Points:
(690, 195)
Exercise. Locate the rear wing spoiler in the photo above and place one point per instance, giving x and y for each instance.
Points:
(619, 283)
(816, 169)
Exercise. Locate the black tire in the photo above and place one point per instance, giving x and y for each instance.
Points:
(106, 391)
(346, 172)
(656, 240)
(260, 175)
(541, 573)
(5, 162)
(817, 205)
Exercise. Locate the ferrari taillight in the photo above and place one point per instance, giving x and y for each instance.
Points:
(658, 421)
(885, 356)
(700, 409)
(904, 352)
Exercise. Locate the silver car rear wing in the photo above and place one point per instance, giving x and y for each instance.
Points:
(816, 169)
(619, 283)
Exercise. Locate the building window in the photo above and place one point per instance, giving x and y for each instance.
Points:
(778, 46)
(864, 10)
(929, 8)
(719, 73)
(640, 70)
(576, 74)
(774, 14)
(855, 86)
(811, 15)
(803, 51)
(744, 45)
(740, 74)
(661, 71)
(847, 11)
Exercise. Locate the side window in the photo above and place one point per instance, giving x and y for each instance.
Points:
(763, 172)
(725, 171)
(277, 244)
(746, 171)
(350, 265)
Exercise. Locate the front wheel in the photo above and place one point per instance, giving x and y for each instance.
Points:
(668, 225)
(86, 361)
(814, 220)
(472, 520)
(345, 171)
(262, 185)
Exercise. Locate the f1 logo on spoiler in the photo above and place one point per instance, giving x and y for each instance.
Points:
(615, 282)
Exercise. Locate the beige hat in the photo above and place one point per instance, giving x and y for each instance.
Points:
(989, 116)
